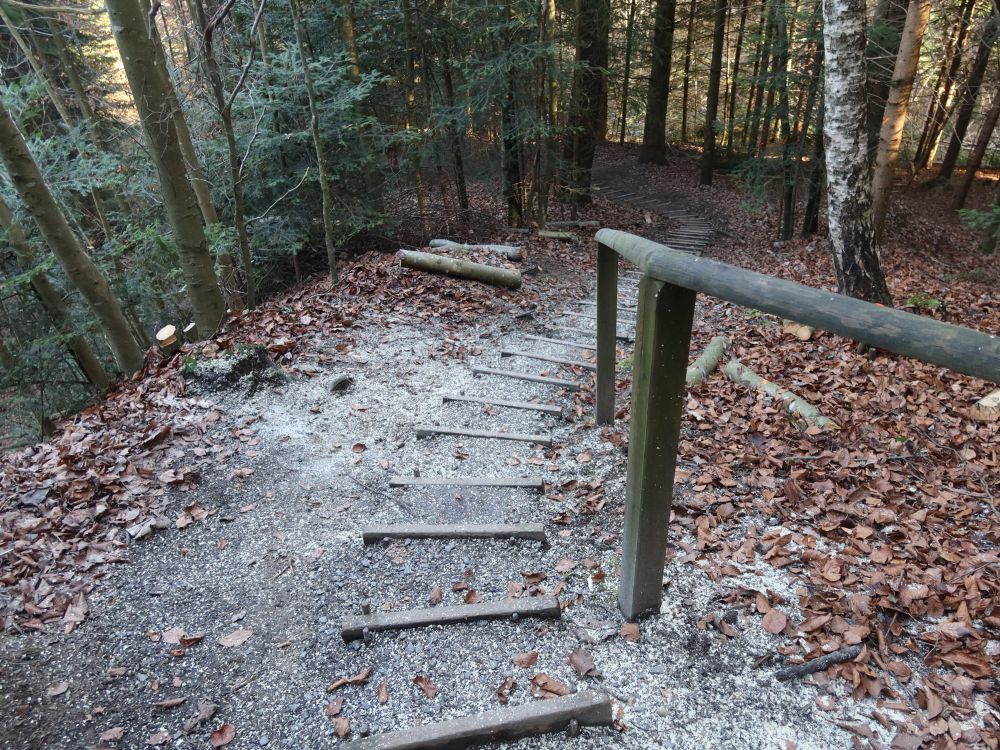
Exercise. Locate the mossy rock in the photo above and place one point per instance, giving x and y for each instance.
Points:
(243, 366)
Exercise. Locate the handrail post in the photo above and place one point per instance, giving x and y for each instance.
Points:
(607, 328)
(663, 335)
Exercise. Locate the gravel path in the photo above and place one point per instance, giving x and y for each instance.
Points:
(280, 554)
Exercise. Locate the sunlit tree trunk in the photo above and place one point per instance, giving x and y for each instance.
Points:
(848, 171)
(734, 81)
(65, 245)
(155, 104)
(978, 152)
(654, 130)
(969, 94)
(894, 115)
(688, 42)
(629, 33)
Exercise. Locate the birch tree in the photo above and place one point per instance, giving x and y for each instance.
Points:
(84, 275)
(848, 171)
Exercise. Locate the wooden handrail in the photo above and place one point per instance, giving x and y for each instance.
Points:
(960, 349)
(670, 280)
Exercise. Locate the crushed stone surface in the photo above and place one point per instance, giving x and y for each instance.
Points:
(280, 554)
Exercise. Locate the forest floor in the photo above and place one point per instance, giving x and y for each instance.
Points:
(178, 560)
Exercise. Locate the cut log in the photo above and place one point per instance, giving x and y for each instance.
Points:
(530, 483)
(508, 251)
(167, 339)
(353, 628)
(548, 358)
(627, 337)
(548, 234)
(464, 269)
(793, 404)
(705, 365)
(569, 385)
(987, 409)
(527, 405)
(431, 431)
(799, 331)
(552, 715)
(532, 531)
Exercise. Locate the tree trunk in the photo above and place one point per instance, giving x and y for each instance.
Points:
(970, 92)
(589, 86)
(549, 106)
(687, 71)
(976, 158)
(763, 66)
(848, 171)
(512, 178)
(937, 114)
(882, 52)
(52, 302)
(411, 102)
(654, 130)
(466, 269)
(156, 105)
(324, 178)
(737, 53)
(894, 117)
(817, 169)
(350, 42)
(714, 84)
(80, 269)
(629, 33)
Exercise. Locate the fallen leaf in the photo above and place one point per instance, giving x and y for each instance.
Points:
(206, 710)
(526, 659)
(236, 638)
(630, 631)
(565, 565)
(426, 684)
(359, 679)
(112, 735)
(169, 703)
(774, 621)
(342, 726)
(436, 595)
(359, 448)
(472, 597)
(546, 686)
(334, 707)
(581, 660)
(57, 688)
(505, 690)
(382, 693)
(160, 738)
(222, 736)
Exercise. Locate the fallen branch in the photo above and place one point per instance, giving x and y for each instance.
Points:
(464, 269)
(705, 365)
(509, 251)
(793, 404)
(564, 236)
(579, 224)
(819, 663)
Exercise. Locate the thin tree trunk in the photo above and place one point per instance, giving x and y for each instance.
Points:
(80, 269)
(589, 86)
(512, 179)
(884, 37)
(714, 84)
(942, 103)
(453, 130)
(763, 72)
(787, 167)
(894, 117)
(350, 42)
(848, 170)
(737, 53)
(687, 71)
(817, 170)
(52, 302)
(654, 130)
(969, 94)
(629, 32)
(324, 179)
(156, 105)
(976, 158)
(411, 101)
(549, 109)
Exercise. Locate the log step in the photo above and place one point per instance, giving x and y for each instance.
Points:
(553, 715)
(591, 316)
(562, 342)
(588, 303)
(534, 606)
(531, 483)
(528, 405)
(548, 358)
(567, 384)
(431, 431)
(533, 531)
(627, 337)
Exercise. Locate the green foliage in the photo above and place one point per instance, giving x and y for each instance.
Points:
(923, 301)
